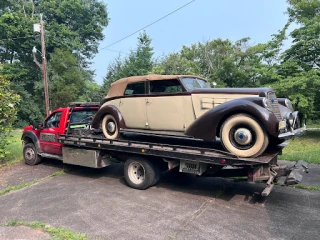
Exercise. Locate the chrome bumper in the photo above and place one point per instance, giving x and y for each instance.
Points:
(292, 134)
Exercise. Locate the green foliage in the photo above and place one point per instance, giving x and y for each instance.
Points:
(67, 79)
(138, 62)
(221, 61)
(298, 72)
(306, 147)
(15, 149)
(8, 110)
(72, 25)
(55, 233)
(24, 80)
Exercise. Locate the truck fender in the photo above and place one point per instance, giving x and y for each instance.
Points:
(31, 137)
(208, 125)
(108, 109)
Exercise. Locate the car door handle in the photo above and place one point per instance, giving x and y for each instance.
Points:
(148, 101)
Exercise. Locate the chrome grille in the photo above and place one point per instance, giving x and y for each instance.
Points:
(274, 105)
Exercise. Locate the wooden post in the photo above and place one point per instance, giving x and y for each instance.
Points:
(44, 66)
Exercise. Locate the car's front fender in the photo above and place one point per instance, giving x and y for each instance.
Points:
(30, 137)
(208, 125)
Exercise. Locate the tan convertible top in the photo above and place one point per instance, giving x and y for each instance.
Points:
(117, 88)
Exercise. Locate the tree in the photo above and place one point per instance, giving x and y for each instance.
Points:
(138, 62)
(8, 106)
(24, 80)
(67, 79)
(73, 25)
(76, 25)
(296, 71)
(221, 61)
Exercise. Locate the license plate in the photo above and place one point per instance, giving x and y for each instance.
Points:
(282, 125)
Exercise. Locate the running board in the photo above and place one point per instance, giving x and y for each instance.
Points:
(53, 156)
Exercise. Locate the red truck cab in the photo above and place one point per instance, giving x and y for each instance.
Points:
(42, 140)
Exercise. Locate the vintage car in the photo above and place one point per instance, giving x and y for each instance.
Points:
(246, 120)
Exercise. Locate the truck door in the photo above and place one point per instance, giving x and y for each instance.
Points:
(49, 134)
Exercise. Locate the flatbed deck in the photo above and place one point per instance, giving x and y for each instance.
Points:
(172, 148)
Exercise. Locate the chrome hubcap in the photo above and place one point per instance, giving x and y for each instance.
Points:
(136, 173)
(243, 136)
(111, 127)
(29, 154)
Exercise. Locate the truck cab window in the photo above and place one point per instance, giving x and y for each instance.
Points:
(54, 120)
(82, 116)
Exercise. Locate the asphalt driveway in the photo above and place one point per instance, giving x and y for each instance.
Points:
(99, 203)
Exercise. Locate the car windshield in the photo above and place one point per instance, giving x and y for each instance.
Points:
(193, 83)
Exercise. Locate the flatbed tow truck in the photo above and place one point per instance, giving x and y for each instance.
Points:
(61, 136)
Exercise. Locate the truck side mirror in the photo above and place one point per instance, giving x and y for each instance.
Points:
(40, 126)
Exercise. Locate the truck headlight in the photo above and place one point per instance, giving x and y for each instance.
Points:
(288, 104)
(267, 104)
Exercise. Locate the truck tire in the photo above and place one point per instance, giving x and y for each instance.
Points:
(30, 154)
(141, 173)
(244, 136)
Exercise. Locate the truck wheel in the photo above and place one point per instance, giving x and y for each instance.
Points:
(243, 136)
(30, 154)
(140, 173)
(110, 127)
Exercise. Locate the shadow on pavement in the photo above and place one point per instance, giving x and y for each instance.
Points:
(173, 180)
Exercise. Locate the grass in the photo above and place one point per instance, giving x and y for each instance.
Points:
(15, 188)
(313, 125)
(23, 185)
(309, 188)
(306, 147)
(15, 149)
(55, 233)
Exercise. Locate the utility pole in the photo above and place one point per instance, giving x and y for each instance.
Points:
(42, 66)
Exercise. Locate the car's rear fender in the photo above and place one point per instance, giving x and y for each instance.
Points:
(108, 109)
(208, 125)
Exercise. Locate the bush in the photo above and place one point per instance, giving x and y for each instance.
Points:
(8, 111)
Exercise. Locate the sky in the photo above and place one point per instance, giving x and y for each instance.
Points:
(199, 21)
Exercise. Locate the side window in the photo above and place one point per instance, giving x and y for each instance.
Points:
(135, 88)
(54, 120)
(165, 86)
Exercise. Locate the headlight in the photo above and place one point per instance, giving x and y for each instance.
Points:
(267, 104)
(288, 104)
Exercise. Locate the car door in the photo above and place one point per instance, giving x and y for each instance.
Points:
(132, 106)
(49, 134)
(169, 106)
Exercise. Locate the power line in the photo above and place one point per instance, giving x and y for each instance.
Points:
(4, 39)
(15, 38)
(115, 51)
(146, 26)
